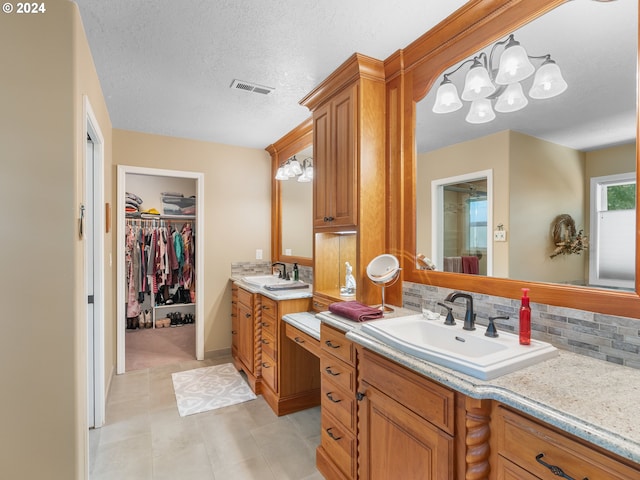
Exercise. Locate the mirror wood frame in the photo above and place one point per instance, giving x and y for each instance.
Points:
(298, 139)
(411, 72)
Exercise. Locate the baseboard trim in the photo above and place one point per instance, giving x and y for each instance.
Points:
(215, 354)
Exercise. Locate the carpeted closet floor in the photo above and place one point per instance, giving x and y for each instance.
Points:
(147, 348)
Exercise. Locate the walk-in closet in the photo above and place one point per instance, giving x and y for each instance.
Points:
(159, 275)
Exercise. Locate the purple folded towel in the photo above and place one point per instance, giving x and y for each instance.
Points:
(356, 311)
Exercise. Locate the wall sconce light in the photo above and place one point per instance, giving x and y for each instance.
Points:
(292, 168)
(484, 83)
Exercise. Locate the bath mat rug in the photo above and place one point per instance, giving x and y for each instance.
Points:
(208, 388)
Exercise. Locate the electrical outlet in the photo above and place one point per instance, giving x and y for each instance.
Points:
(259, 254)
(500, 235)
(287, 251)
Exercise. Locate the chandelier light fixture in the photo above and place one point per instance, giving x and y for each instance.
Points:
(499, 89)
(293, 168)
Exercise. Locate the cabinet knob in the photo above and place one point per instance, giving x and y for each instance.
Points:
(233, 332)
(331, 434)
(331, 345)
(330, 397)
(331, 372)
(360, 396)
(328, 219)
(557, 471)
(248, 315)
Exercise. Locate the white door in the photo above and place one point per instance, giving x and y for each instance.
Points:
(89, 215)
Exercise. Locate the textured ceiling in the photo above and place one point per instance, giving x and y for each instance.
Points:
(166, 66)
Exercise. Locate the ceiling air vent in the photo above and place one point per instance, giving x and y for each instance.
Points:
(251, 87)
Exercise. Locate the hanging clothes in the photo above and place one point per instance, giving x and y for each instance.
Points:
(158, 258)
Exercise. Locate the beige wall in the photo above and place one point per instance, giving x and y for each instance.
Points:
(546, 180)
(46, 70)
(486, 153)
(237, 189)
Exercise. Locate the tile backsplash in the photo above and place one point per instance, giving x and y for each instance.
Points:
(605, 337)
(258, 267)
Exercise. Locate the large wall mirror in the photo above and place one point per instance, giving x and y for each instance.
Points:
(292, 198)
(560, 163)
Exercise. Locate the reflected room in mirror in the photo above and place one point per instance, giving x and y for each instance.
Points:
(549, 154)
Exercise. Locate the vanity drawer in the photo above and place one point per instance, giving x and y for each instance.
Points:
(338, 372)
(339, 403)
(335, 343)
(428, 399)
(269, 345)
(269, 371)
(245, 297)
(521, 440)
(320, 304)
(340, 445)
(302, 339)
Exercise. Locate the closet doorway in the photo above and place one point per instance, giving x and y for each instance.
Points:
(161, 210)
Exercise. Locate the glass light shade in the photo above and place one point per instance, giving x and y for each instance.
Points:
(512, 99)
(481, 111)
(296, 169)
(304, 178)
(514, 65)
(477, 84)
(280, 175)
(447, 99)
(548, 81)
(288, 171)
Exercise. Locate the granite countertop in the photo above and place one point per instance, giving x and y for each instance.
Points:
(591, 399)
(306, 322)
(276, 295)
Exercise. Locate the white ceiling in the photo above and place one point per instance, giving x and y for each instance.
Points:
(166, 66)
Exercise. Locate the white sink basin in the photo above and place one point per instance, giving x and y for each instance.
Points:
(469, 352)
(272, 282)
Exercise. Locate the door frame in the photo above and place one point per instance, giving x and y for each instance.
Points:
(91, 127)
(120, 270)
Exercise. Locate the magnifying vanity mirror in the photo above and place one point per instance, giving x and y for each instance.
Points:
(292, 199)
(555, 156)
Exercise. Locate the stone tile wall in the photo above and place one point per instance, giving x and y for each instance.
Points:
(263, 267)
(606, 337)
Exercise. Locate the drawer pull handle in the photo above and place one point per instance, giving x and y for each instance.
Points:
(265, 324)
(265, 365)
(330, 397)
(555, 470)
(265, 342)
(331, 372)
(331, 345)
(299, 340)
(331, 434)
(248, 315)
(265, 307)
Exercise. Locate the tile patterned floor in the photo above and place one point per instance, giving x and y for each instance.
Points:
(144, 437)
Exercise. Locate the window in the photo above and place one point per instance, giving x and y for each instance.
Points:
(612, 236)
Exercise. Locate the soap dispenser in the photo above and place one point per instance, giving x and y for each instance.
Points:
(525, 318)
(296, 273)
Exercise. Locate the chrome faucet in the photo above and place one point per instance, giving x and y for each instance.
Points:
(470, 316)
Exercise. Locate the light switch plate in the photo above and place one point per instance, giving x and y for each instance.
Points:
(259, 254)
(500, 235)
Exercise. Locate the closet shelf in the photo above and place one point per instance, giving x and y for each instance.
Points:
(174, 305)
(159, 217)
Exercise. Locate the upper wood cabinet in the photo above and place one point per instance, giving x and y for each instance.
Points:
(335, 155)
(349, 173)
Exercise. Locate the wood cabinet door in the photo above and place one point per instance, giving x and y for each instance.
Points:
(394, 442)
(322, 166)
(345, 181)
(245, 336)
(335, 142)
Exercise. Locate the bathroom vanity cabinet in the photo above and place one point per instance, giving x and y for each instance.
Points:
(521, 444)
(287, 376)
(245, 329)
(337, 455)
